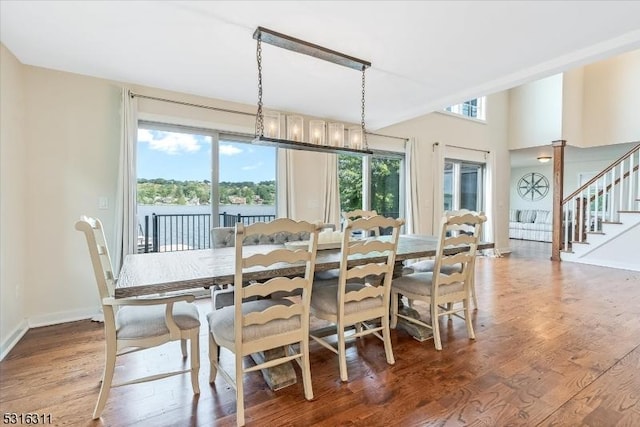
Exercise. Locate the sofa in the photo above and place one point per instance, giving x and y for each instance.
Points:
(530, 224)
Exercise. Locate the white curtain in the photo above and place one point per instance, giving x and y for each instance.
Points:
(419, 185)
(126, 229)
(490, 200)
(412, 212)
(438, 185)
(331, 191)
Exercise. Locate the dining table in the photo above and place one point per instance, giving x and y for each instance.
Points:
(154, 273)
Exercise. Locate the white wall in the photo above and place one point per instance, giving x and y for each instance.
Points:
(72, 129)
(449, 130)
(572, 106)
(535, 113)
(611, 112)
(13, 208)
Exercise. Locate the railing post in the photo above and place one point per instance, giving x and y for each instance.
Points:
(558, 179)
(146, 234)
(581, 223)
(239, 218)
(156, 238)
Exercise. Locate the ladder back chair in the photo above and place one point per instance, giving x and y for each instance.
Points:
(449, 281)
(347, 303)
(331, 276)
(360, 213)
(133, 324)
(252, 326)
(427, 265)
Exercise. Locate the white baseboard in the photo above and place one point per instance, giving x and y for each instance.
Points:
(610, 264)
(13, 338)
(62, 317)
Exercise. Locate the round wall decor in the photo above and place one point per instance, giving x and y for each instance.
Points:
(533, 186)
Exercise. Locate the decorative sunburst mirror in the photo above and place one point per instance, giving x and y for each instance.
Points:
(533, 186)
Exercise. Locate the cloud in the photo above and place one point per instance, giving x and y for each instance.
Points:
(169, 142)
(252, 167)
(229, 150)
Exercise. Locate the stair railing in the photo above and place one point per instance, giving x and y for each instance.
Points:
(601, 199)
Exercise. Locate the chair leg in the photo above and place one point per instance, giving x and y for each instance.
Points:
(342, 354)
(386, 334)
(183, 347)
(239, 391)
(195, 360)
(435, 324)
(107, 378)
(306, 369)
(472, 284)
(359, 328)
(214, 350)
(467, 319)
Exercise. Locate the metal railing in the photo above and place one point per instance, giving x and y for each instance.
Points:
(183, 232)
(230, 220)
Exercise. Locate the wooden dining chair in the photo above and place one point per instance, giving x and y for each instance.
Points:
(360, 213)
(347, 303)
(331, 276)
(449, 282)
(132, 324)
(270, 322)
(426, 266)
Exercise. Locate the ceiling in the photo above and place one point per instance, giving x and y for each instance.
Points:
(425, 55)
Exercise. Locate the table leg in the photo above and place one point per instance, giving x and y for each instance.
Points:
(279, 376)
(418, 332)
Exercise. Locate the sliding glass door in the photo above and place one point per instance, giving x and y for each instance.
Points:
(463, 185)
(372, 183)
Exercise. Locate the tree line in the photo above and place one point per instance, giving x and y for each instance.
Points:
(173, 192)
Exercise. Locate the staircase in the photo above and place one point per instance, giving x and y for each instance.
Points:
(601, 219)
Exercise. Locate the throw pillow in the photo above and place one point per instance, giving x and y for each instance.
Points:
(513, 215)
(527, 215)
(543, 217)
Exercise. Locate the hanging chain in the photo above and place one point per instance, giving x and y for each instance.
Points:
(364, 132)
(260, 114)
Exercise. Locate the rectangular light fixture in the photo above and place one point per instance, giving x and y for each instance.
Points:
(334, 142)
(305, 146)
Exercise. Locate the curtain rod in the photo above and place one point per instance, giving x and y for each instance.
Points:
(388, 136)
(189, 104)
(464, 148)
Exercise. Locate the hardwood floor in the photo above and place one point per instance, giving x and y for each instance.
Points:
(558, 344)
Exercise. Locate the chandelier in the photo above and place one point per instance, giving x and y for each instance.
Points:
(320, 140)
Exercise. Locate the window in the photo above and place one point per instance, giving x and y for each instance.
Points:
(190, 180)
(474, 108)
(463, 184)
(372, 183)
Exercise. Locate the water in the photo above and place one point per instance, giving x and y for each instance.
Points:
(183, 233)
(203, 209)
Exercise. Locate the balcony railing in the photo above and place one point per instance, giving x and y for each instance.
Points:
(182, 232)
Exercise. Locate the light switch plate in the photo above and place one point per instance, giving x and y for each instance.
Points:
(103, 202)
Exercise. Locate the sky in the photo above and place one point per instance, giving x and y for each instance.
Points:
(187, 157)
